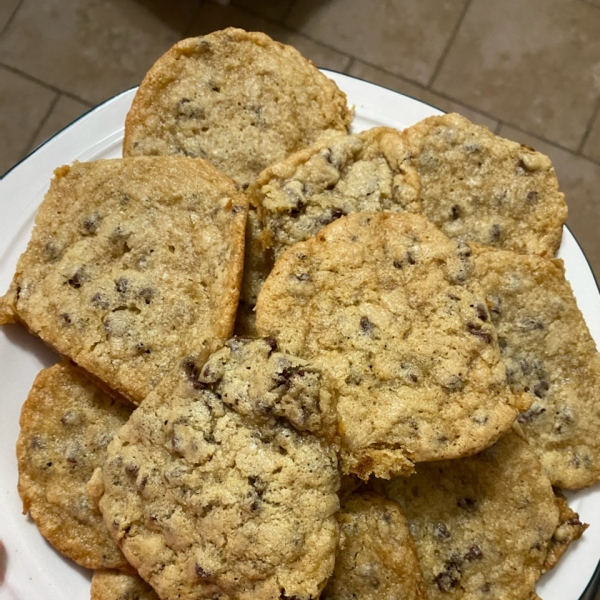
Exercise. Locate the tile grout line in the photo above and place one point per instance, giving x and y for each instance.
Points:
(44, 120)
(351, 63)
(449, 44)
(48, 86)
(589, 126)
(11, 18)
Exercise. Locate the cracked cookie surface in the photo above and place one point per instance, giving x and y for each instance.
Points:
(66, 425)
(477, 186)
(206, 502)
(550, 355)
(484, 526)
(377, 556)
(383, 302)
(237, 99)
(130, 262)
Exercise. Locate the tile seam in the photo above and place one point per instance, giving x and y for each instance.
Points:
(589, 127)
(11, 18)
(29, 146)
(48, 86)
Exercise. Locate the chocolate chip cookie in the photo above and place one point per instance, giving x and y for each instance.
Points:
(377, 556)
(550, 355)
(207, 502)
(484, 526)
(385, 304)
(237, 99)
(131, 262)
(66, 425)
(477, 186)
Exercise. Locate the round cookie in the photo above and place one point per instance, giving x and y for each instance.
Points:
(477, 186)
(237, 99)
(314, 187)
(485, 525)
(384, 303)
(66, 425)
(206, 502)
(550, 355)
(113, 585)
(377, 556)
(132, 261)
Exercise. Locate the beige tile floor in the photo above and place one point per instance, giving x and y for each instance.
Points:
(528, 69)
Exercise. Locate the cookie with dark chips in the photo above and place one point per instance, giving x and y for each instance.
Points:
(385, 304)
(377, 556)
(66, 425)
(235, 98)
(485, 526)
(477, 186)
(550, 355)
(132, 261)
(210, 496)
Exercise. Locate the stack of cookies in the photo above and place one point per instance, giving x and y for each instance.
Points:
(299, 362)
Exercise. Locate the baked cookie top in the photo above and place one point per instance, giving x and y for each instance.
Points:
(383, 302)
(114, 585)
(314, 187)
(131, 262)
(205, 501)
(477, 186)
(483, 525)
(264, 384)
(240, 100)
(550, 355)
(66, 425)
(377, 556)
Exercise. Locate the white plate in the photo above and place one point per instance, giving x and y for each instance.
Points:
(29, 567)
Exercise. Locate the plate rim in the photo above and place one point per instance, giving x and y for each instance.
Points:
(593, 584)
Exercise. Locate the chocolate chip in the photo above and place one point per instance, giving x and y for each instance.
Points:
(303, 277)
(481, 312)
(121, 285)
(52, 251)
(475, 329)
(99, 300)
(532, 196)
(78, 278)
(189, 367)
(90, 224)
(530, 324)
(463, 250)
(448, 579)
(65, 319)
(200, 572)
(453, 384)
(528, 416)
(410, 258)
(70, 418)
(366, 326)
(146, 294)
(540, 389)
(474, 553)
(455, 212)
(272, 343)
(334, 214)
(132, 470)
(468, 504)
(440, 531)
(141, 348)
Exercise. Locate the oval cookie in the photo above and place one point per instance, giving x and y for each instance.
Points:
(237, 99)
(384, 303)
(206, 502)
(66, 425)
(131, 261)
